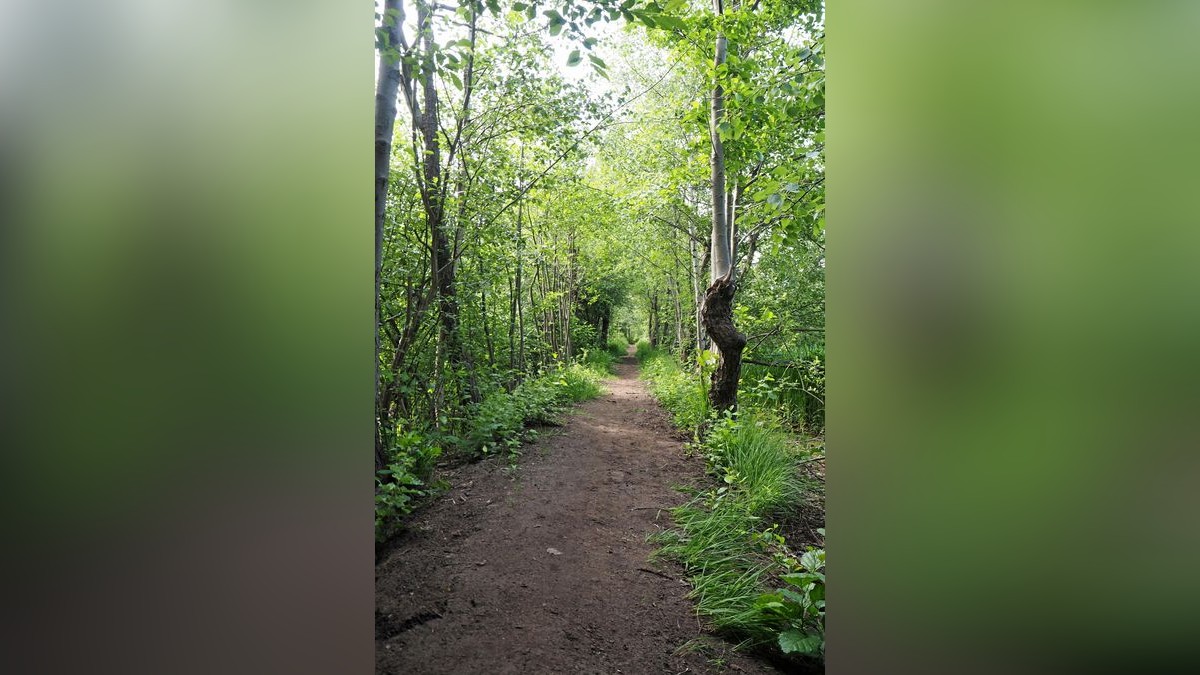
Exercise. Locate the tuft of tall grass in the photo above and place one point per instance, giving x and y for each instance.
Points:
(580, 382)
(679, 391)
(715, 542)
(759, 460)
(724, 537)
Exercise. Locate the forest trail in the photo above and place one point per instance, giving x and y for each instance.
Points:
(546, 570)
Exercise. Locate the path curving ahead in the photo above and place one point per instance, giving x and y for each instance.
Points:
(545, 570)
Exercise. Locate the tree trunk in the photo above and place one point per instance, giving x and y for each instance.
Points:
(680, 346)
(433, 200)
(718, 300)
(386, 90)
(697, 274)
(718, 320)
(483, 312)
(512, 324)
(721, 240)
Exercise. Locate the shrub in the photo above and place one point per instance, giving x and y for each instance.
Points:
(644, 349)
(584, 335)
(617, 346)
(796, 392)
(402, 483)
(600, 361)
(502, 417)
(800, 607)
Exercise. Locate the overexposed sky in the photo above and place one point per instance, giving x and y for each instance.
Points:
(607, 34)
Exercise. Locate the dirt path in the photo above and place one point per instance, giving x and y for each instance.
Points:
(545, 570)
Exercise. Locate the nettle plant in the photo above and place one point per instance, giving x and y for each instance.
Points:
(800, 605)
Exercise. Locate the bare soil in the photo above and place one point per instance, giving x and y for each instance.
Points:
(546, 569)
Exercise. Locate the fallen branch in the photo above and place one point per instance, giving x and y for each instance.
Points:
(655, 573)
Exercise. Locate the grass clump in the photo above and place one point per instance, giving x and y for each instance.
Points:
(681, 392)
(759, 460)
(744, 576)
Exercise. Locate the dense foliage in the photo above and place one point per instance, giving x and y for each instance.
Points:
(548, 182)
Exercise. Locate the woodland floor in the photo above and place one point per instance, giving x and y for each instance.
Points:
(545, 569)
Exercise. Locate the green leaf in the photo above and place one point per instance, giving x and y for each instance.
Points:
(574, 59)
(670, 22)
(793, 641)
(775, 200)
(519, 6)
(555, 28)
(597, 61)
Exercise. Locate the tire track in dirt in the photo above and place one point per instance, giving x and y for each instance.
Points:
(546, 571)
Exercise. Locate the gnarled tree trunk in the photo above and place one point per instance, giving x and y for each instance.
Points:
(718, 299)
(718, 321)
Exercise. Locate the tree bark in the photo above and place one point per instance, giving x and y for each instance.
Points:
(718, 299)
(433, 196)
(718, 321)
(386, 89)
(721, 241)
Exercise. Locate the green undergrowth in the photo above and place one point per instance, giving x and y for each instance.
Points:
(617, 347)
(681, 392)
(500, 424)
(502, 418)
(745, 577)
(794, 388)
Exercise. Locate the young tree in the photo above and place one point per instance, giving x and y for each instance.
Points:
(718, 299)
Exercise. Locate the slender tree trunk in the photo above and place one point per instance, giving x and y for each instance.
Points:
(679, 342)
(517, 297)
(721, 242)
(535, 316)
(750, 252)
(512, 324)
(718, 300)
(386, 89)
(697, 275)
(731, 204)
(433, 196)
(483, 311)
